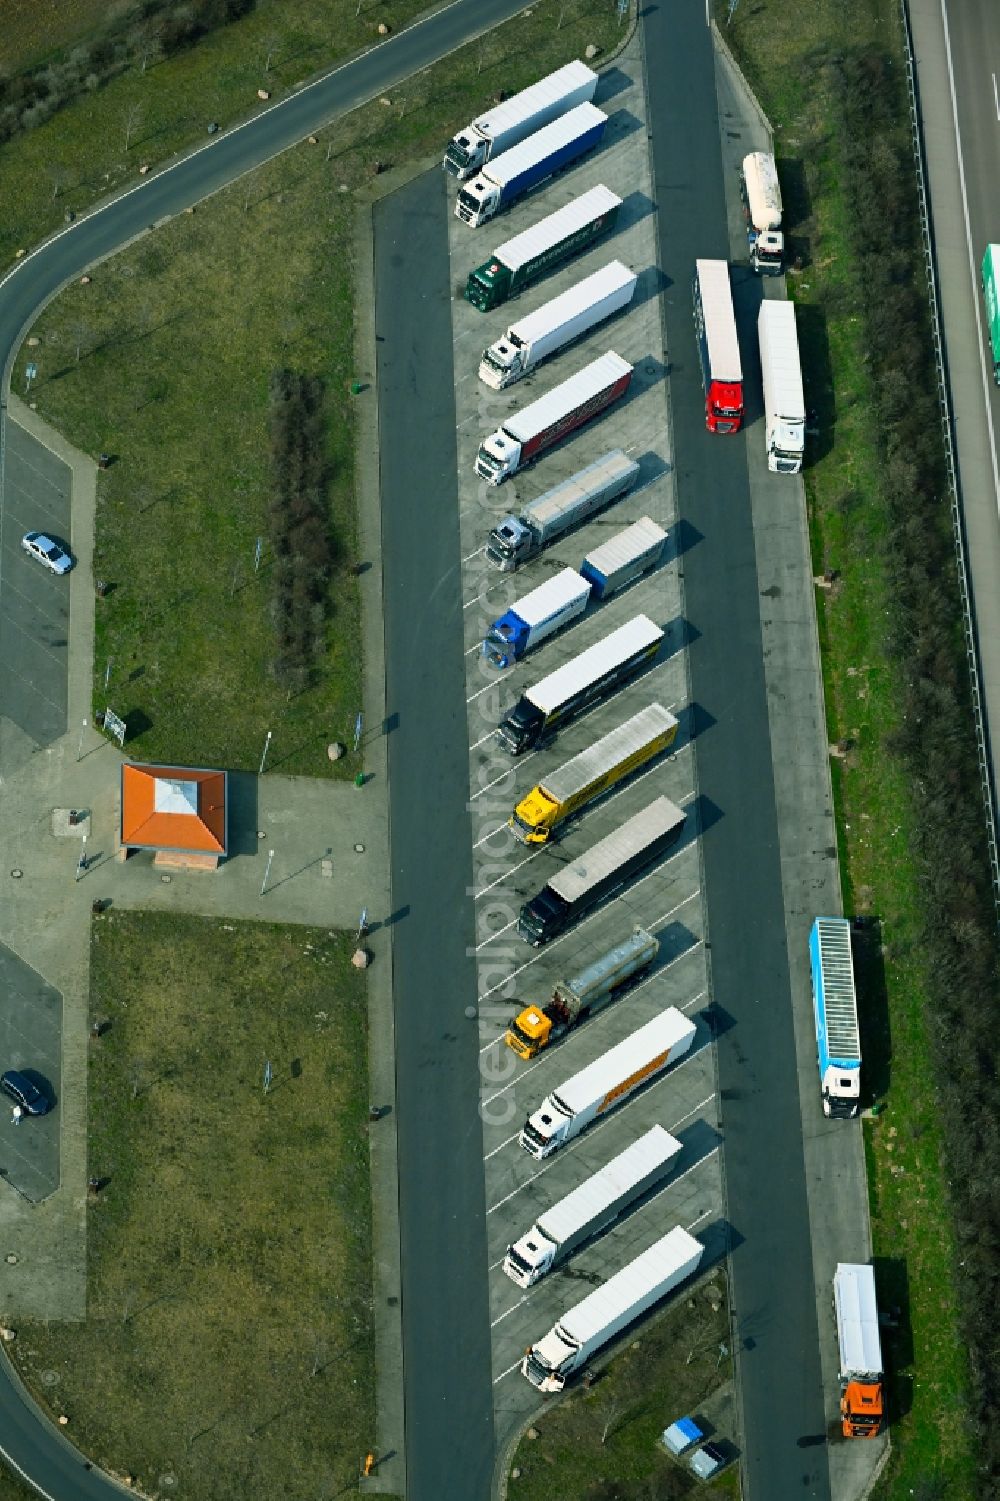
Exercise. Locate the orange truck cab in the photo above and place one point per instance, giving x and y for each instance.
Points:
(856, 1310)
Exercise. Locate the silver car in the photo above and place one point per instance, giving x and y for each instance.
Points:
(37, 545)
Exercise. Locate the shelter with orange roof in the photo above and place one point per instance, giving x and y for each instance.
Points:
(178, 812)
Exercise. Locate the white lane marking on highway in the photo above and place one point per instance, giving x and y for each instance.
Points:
(480, 842)
(590, 1136)
(473, 601)
(520, 1302)
(501, 1147)
(506, 873)
(472, 650)
(973, 269)
(509, 1371)
(480, 691)
(622, 897)
(483, 742)
(470, 555)
(996, 96)
(497, 934)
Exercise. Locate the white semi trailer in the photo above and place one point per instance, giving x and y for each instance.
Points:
(593, 1206)
(556, 324)
(608, 1310)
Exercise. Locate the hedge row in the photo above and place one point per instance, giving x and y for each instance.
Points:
(298, 524)
(132, 36)
(935, 740)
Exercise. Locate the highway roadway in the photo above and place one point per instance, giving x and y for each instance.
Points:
(957, 49)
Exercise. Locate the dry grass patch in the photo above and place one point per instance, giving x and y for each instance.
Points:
(228, 1336)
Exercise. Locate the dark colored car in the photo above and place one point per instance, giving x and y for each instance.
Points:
(21, 1090)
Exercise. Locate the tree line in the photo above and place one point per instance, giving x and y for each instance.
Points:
(935, 738)
(130, 36)
(298, 524)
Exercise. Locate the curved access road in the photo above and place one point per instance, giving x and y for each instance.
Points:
(28, 1442)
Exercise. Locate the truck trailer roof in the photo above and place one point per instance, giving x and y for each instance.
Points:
(614, 277)
(579, 1208)
(604, 857)
(556, 227)
(612, 469)
(658, 1036)
(543, 602)
(625, 545)
(662, 1261)
(608, 752)
(529, 101)
(834, 977)
(763, 190)
(720, 324)
(593, 663)
(779, 352)
(595, 975)
(572, 393)
(857, 1320)
(510, 164)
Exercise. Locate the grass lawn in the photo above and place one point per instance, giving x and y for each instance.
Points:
(228, 1334)
(33, 30)
(14, 1489)
(784, 51)
(163, 360)
(603, 1444)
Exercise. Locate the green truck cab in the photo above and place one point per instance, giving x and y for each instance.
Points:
(521, 261)
(991, 292)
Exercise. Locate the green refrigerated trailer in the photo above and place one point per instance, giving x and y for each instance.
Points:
(991, 291)
(514, 266)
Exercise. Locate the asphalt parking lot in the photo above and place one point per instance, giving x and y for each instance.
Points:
(34, 604)
(666, 899)
(30, 1041)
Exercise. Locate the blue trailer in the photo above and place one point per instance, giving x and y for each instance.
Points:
(516, 171)
(835, 1011)
(538, 615)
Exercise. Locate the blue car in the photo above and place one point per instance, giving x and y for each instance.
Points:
(19, 1088)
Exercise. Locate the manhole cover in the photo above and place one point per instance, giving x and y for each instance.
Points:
(470, 1012)
(17, 874)
(166, 880)
(11, 1259)
(359, 849)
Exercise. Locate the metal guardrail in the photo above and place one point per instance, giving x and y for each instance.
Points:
(944, 399)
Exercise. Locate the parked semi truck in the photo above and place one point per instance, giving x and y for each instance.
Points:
(609, 1309)
(534, 618)
(515, 119)
(606, 1082)
(526, 434)
(718, 347)
(761, 193)
(567, 505)
(784, 403)
(592, 773)
(576, 1000)
(991, 291)
(861, 1402)
(623, 558)
(592, 1207)
(565, 693)
(556, 324)
(528, 256)
(835, 1013)
(606, 868)
(515, 172)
